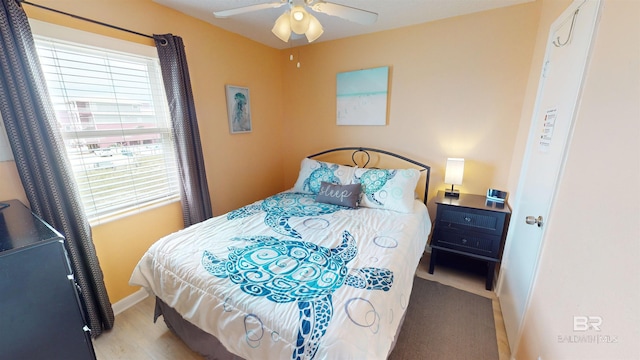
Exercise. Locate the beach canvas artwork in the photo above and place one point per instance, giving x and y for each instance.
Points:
(362, 97)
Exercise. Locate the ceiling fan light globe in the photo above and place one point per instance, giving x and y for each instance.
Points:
(298, 15)
(282, 27)
(315, 29)
(299, 26)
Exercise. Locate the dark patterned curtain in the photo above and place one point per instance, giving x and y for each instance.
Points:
(194, 191)
(41, 160)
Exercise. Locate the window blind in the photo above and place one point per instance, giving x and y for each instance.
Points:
(5, 149)
(112, 111)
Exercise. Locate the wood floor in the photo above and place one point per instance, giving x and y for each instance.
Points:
(136, 337)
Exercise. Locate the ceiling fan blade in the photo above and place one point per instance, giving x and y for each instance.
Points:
(346, 12)
(250, 8)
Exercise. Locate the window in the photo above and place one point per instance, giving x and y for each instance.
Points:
(5, 149)
(112, 111)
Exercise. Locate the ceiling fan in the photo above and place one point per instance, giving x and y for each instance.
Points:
(298, 20)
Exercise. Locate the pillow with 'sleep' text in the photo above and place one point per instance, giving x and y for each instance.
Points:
(342, 195)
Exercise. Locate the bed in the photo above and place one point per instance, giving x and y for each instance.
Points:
(321, 271)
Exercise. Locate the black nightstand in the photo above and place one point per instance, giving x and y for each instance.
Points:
(470, 226)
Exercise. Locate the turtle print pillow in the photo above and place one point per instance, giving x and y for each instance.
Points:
(389, 189)
(314, 172)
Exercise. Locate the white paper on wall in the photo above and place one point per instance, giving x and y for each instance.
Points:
(548, 124)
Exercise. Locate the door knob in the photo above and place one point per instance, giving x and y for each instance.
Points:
(531, 220)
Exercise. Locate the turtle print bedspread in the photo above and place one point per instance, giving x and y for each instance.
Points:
(290, 278)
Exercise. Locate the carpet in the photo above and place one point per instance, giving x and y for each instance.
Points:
(443, 322)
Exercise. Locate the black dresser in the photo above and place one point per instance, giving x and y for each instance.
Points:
(470, 226)
(41, 316)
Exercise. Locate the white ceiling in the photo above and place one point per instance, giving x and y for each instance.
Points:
(391, 14)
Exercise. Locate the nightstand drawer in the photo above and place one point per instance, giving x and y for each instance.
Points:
(469, 242)
(475, 220)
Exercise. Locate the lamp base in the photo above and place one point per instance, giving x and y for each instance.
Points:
(452, 193)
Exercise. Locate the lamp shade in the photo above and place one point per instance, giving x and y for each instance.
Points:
(315, 29)
(282, 27)
(299, 20)
(454, 171)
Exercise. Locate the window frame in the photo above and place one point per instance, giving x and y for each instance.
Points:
(73, 36)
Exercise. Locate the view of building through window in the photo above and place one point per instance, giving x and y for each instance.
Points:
(112, 111)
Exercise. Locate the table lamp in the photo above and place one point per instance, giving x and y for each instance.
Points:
(453, 175)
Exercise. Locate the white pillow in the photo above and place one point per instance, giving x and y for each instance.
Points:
(314, 172)
(387, 188)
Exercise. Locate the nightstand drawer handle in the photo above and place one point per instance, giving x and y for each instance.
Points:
(467, 219)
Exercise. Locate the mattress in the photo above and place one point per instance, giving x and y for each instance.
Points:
(288, 277)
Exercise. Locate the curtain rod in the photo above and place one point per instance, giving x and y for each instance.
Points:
(86, 19)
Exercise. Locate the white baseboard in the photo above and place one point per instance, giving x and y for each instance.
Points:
(129, 301)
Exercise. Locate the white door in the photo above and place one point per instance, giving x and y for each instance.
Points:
(551, 126)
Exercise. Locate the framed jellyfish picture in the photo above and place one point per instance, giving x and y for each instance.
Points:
(238, 109)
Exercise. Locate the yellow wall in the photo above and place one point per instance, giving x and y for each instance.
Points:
(456, 90)
(10, 185)
(589, 261)
(120, 244)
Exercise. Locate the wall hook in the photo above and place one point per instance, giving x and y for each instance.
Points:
(557, 42)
